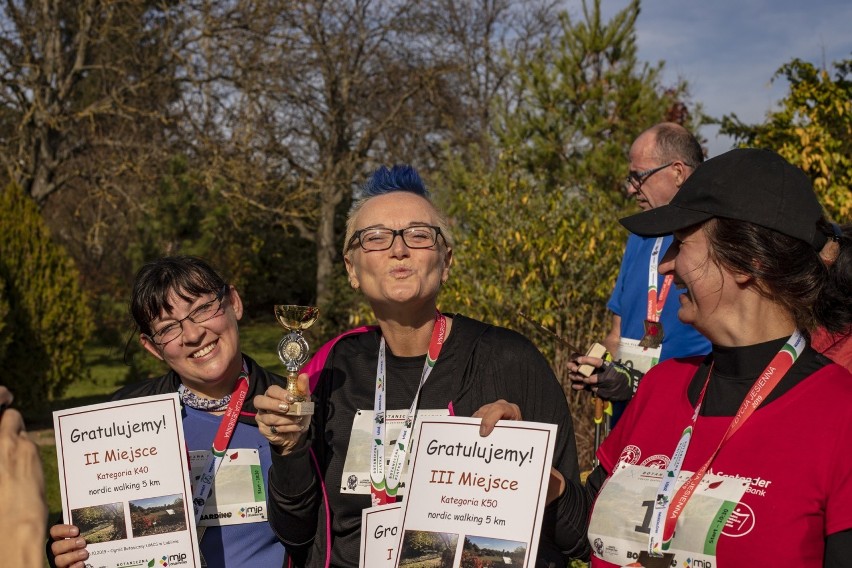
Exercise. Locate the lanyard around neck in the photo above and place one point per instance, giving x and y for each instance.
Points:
(220, 443)
(667, 509)
(384, 485)
(655, 302)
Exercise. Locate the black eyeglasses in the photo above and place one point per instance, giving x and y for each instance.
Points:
(173, 329)
(414, 237)
(636, 179)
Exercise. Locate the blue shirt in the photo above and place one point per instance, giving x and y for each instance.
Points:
(251, 544)
(630, 296)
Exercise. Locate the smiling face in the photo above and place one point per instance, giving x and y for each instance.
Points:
(206, 355)
(710, 301)
(400, 279)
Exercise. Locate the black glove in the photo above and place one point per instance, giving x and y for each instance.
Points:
(617, 381)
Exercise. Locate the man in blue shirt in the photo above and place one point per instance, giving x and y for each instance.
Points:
(645, 327)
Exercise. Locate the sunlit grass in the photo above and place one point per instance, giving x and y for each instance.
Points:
(260, 342)
(51, 481)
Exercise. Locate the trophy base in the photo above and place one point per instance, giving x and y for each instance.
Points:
(301, 408)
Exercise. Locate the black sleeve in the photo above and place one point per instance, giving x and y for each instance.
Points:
(568, 515)
(595, 481)
(838, 549)
(523, 376)
(295, 497)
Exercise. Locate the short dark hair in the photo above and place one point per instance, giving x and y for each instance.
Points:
(675, 143)
(188, 277)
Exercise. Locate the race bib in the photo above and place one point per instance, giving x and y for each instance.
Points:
(238, 495)
(620, 524)
(356, 469)
(637, 358)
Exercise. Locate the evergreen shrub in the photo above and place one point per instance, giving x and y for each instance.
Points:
(48, 320)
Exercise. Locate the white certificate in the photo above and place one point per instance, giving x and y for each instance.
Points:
(124, 480)
(379, 536)
(481, 498)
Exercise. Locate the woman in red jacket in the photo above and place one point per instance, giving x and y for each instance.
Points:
(740, 458)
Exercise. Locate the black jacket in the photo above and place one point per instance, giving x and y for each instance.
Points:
(259, 380)
(478, 365)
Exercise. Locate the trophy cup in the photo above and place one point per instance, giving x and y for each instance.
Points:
(293, 350)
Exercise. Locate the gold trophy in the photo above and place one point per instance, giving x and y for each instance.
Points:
(293, 350)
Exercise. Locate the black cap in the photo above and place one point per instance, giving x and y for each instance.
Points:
(747, 184)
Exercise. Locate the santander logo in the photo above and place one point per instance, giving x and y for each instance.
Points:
(741, 522)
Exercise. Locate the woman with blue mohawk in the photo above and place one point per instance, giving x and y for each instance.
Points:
(398, 251)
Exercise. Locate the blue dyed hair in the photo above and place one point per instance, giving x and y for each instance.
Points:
(399, 178)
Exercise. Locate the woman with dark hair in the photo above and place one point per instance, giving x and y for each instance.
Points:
(739, 458)
(398, 251)
(187, 317)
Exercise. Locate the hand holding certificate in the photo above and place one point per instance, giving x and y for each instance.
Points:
(123, 475)
(470, 495)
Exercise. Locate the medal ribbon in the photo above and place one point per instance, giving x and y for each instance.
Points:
(220, 444)
(384, 485)
(655, 302)
(665, 516)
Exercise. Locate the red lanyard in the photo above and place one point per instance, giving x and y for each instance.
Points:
(220, 443)
(384, 485)
(656, 302)
(662, 533)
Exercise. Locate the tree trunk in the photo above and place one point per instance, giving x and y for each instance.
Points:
(326, 248)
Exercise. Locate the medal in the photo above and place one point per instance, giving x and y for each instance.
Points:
(653, 337)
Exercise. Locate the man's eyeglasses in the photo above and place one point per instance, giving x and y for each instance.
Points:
(414, 237)
(171, 330)
(636, 179)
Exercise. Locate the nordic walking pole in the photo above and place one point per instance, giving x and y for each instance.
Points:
(601, 407)
(599, 426)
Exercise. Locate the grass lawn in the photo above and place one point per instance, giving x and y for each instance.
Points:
(260, 342)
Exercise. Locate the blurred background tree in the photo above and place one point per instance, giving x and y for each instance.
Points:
(812, 129)
(46, 316)
(300, 101)
(86, 101)
(537, 222)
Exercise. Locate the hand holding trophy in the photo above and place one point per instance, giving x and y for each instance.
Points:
(293, 350)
